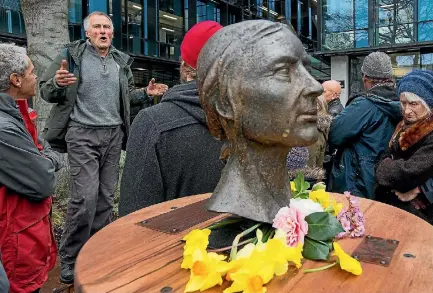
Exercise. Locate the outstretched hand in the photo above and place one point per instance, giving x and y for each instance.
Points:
(63, 77)
(408, 196)
(156, 89)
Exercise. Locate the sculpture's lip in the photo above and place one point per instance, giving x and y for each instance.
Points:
(308, 117)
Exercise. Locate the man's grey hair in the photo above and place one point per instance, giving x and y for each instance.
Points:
(13, 59)
(411, 97)
(87, 19)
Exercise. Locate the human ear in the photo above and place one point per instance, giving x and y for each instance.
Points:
(16, 80)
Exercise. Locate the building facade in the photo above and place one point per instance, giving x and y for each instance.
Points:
(351, 29)
(151, 31)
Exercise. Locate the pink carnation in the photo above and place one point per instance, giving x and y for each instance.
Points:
(291, 221)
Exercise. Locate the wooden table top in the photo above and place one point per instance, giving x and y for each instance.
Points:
(125, 257)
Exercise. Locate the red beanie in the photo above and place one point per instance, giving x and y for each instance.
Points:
(195, 39)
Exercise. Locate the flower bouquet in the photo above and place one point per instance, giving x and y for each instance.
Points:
(308, 229)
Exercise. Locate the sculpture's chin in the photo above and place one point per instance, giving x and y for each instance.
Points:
(305, 136)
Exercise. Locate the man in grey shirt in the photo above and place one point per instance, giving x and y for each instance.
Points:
(92, 84)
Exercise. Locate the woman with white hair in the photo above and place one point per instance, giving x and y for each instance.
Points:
(403, 177)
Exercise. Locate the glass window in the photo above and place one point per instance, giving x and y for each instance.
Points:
(425, 30)
(404, 11)
(427, 61)
(11, 19)
(361, 15)
(361, 39)
(394, 22)
(404, 33)
(338, 15)
(207, 11)
(425, 10)
(135, 26)
(171, 30)
(75, 12)
(339, 41)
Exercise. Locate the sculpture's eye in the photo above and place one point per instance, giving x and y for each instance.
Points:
(284, 71)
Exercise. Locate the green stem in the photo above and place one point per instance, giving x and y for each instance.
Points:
(229, 247)
(224, 223)
(238, 238)
(320, 269)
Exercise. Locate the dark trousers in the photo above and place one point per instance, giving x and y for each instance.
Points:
(94, 156)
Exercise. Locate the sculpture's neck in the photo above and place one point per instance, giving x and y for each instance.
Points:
(254, 183)
(268, 165)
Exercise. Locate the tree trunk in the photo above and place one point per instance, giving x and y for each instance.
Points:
(46, 24)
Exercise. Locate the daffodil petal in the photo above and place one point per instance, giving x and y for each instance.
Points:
(194, 283)
(347, 262)
(187, 262)
(246, 251)
(281, 269)
(235, 287)
(211, 281)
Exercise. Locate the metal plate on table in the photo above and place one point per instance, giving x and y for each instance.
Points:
(376, 250)
(180, 219)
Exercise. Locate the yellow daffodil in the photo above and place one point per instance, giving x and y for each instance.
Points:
(251, 277)
(292, 186)
(337, 207)
(321, 196)
(291, 254)
(347, 262)
(327, 202)
(206, 271)
(195, 239)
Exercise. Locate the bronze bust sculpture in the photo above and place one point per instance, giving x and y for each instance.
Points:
(260, 101)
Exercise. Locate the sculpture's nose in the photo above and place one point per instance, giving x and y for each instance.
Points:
(312, 87)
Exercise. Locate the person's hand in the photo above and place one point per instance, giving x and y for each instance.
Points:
(408, 196)
(63, 77)
(418, 203)
(156, 89)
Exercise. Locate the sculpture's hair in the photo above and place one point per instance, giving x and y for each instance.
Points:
(221, 69)
(13, 59)
(87, 19)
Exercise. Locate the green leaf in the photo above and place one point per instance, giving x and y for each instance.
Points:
(315, 250)
(323, 226)
(301, 187)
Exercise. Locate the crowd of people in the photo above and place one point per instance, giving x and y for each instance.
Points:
(379, 146)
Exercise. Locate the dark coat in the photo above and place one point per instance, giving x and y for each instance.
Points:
(65, 97)
(361, 133)
(170, 152)
(408, 164)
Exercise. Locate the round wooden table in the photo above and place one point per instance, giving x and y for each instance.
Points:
(142, 253)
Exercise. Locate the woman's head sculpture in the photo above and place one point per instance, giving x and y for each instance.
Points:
(260, 101)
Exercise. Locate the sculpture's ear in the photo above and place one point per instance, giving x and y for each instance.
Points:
(225, 108)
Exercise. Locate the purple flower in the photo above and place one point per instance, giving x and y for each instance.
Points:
(352, 219)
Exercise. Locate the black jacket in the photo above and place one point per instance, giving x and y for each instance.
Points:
(23, 168)
(170, 152)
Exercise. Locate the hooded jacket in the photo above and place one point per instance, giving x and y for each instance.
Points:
(170, 152)
(361, 133)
